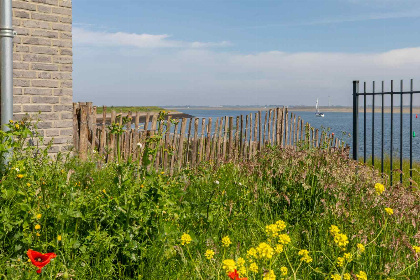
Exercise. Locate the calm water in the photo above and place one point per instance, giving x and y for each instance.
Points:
(342, 126)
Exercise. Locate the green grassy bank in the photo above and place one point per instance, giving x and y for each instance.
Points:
(270, 216)
(126, 109)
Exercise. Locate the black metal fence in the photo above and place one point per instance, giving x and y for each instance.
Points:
(382, 93)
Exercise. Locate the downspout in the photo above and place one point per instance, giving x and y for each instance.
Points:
(6, 62)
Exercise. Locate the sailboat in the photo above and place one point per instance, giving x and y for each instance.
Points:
(317, 113)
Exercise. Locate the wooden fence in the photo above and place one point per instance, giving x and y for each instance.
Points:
(189, 141)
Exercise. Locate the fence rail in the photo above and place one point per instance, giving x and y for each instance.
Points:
(189, 141)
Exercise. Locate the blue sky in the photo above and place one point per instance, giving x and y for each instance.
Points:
(178, 52)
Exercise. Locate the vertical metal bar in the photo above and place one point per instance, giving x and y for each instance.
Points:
(364, 122)
(6, 66)
(401, 131)
(355, 117)
(392, 129)
(411, 130)
(373, 123)
(382, 130)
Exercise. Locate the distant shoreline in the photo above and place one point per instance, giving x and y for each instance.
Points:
(416, 110)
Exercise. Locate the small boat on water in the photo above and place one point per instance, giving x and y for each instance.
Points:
(317, 113)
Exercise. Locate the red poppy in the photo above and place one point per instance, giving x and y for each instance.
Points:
(235, 276)
(40, 260)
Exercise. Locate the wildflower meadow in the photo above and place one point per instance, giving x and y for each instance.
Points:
(289, 213)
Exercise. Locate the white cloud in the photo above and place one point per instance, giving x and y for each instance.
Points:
(200, 76)
(83, 37)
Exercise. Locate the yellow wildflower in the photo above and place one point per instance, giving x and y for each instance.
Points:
(389, 211)
(10, 121)
(226, 241)
(272, 230)
(240, 261)
(265, 251)
(253, 267)
(284, 239)
(17, 126)
(283, 271)
(38, 216)
(340, 261)
(361, 276)
(20, 176)
(59, 238)
(252, 253)
(361, 248)
(417, 249)
(347, 276)
(104, 191)
(269, 275)
(379, 188)
(185, 239)
(142, 186)
(348, 257)
(229, 265)
(281, 225)
(242, 271)
(279, 248)
(37, 234)
(37, 227)
(209, 254)
(334, 230)
(28, 184)
(336, 277)
(341, 240)
(305, 256)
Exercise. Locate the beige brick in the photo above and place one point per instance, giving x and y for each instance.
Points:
(60, 108)
(16, 22)
(54, 149)
(63, 59)
(17, 40)
(66, 132)
(61, 76)
(61, 27)
(20, 99)
(45, 83)
(37, 58)
(52, 132)
(45, 33)
(62, 43)
(63, 124)
(45, 125)
(44, 75)
(24, 5)
(17, 91)
(21, 48)
(66, 99)
(17, 108)
(47, 116)
(22, 31)
(63, 91)
(44, 9)
(44, 17)
(44, 67)
(21, 82)
(21, 14)
(36, 41)
(65, 19)
(65, 3)
(36, 24)
(49, 2)
(44, 50)
(65, 35)
(61, 11)
(24, 74)
(61, 140)
(21, 65)
(17, 57)
(66, 67)
(45, 100)
(38, 91)
(66, 84)
(66, 52)
(37, 108)
(66, 116)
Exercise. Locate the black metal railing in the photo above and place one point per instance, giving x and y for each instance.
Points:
(383, 93)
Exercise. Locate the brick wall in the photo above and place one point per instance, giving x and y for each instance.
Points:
(42, 65)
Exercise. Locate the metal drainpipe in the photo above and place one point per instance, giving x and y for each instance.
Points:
(6, 62)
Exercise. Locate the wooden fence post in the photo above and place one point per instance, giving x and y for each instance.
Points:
(83, 144)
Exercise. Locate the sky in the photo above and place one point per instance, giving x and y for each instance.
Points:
(240, 52)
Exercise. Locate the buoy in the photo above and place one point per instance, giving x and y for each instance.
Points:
(414, 134)
(416, 116)
(332, 134)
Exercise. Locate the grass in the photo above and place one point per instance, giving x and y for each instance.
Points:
(396, 170)
(120, 221)
(126, 109)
